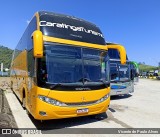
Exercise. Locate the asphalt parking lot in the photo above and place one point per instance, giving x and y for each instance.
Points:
(140, 109)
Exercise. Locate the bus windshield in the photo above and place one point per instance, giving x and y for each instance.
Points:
(119, 72)
(124, 73)
(72, 64)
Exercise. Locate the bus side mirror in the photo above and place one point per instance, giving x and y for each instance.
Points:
(37, 44)
(121, 50)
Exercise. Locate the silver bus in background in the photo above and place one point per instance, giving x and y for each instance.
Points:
(121, 75)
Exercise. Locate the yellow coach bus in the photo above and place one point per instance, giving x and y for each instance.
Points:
(60, 68)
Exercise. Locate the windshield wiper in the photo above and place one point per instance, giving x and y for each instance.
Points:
(84, 80)
(55, 85)
(104, 82)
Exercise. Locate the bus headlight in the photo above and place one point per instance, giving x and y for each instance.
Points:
(51, 101)
(103, 98)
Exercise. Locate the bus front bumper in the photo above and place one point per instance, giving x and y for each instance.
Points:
(129, 88)
(56, 112)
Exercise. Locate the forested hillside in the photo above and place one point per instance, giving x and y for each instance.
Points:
(5, 56)
(147, 67)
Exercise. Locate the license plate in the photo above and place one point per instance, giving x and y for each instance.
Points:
(119, 92)
(82, 111)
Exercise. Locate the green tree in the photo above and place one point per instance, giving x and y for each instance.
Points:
(5, 56)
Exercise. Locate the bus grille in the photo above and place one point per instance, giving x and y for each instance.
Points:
(81, 104)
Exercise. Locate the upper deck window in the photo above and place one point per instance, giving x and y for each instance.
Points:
(67, 27)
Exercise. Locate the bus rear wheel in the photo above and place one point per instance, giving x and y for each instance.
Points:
(24, 105)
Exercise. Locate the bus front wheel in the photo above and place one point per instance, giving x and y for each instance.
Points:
(24, 105)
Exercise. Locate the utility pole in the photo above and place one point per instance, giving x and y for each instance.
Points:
(2, 68)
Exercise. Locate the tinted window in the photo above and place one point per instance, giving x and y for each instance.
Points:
(31, 28)
(67, 27)
(113, 54)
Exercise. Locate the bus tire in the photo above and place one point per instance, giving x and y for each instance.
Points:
(11, 85)
(27, 112)
(100, 116)
(24, 100)
(24, 103)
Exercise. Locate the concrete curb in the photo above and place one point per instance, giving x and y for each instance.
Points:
(6, 117)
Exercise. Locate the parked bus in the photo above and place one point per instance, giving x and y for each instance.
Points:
(135, 68)
(60, 68)
(121, 75)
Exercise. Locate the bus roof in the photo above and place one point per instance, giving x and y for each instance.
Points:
(64, 16)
